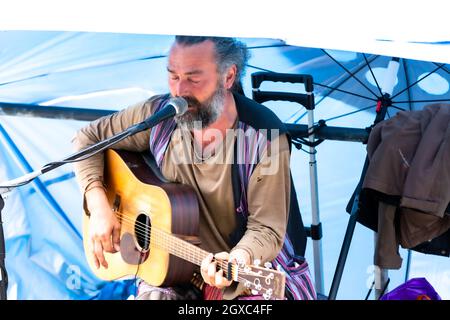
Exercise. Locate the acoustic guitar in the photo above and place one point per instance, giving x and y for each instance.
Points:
(159, 228)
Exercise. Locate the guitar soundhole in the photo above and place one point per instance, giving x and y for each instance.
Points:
(142, 229)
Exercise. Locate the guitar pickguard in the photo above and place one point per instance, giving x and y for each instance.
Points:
(130, 252)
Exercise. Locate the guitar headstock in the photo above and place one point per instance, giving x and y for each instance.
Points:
(265, 281)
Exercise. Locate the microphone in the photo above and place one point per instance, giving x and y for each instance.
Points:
(174, 107)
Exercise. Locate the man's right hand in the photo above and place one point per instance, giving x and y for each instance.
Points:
(104, 227)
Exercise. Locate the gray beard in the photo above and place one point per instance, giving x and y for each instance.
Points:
(204, 114)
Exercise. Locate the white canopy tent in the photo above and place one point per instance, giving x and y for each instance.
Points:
(390, 28)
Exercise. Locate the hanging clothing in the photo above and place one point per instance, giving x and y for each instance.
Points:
(406, 189)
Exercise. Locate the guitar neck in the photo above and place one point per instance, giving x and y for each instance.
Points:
(181, 248)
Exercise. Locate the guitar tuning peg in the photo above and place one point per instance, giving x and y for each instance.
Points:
(256, 262)
(268, 265)
(255, 292)
(269, 278)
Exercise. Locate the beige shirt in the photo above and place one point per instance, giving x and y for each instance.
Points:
(268, 194)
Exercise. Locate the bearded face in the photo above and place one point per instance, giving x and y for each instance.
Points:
(202, 114)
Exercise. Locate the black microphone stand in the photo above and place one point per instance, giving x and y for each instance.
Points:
(78, 156)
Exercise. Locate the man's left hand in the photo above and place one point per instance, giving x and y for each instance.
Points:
(216, 278)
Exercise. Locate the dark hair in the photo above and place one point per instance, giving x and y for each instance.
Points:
(229, 51)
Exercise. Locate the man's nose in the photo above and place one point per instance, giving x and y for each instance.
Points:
(182, 88)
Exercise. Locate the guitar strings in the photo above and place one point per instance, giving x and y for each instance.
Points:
(144, 230)
(197, 253)
(194, 257)
(166, 240)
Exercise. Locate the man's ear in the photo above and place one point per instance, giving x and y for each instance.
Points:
(230, 77)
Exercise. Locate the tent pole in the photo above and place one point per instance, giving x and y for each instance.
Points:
(317, 243)
(51, 112)
(408, 265)
(347, 237)
(381, 275)
(381, 278)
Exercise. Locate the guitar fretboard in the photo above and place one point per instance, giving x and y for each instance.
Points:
(181, 248)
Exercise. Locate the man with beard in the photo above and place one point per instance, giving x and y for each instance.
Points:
(239, 221)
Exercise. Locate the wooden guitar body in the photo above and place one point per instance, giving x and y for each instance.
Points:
(159, 228)
(144, 203)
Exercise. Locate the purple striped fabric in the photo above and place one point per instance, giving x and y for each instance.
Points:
(161, 134)
(211, 293)
(299, 284)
